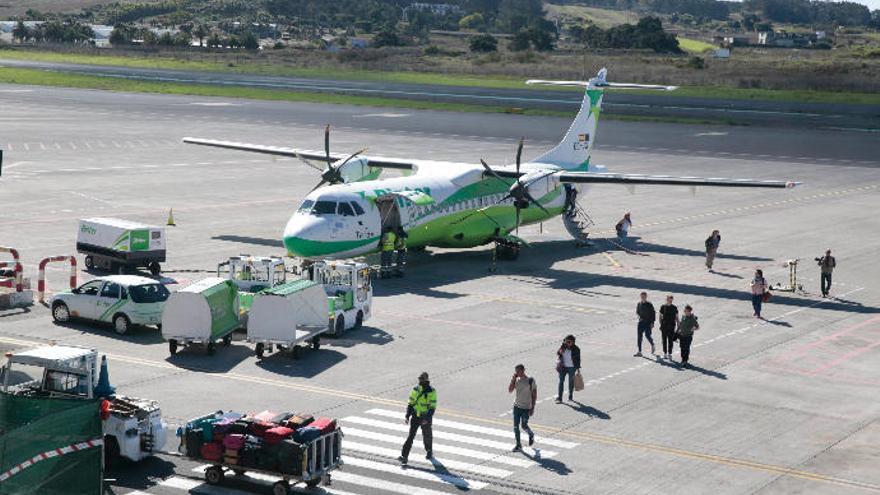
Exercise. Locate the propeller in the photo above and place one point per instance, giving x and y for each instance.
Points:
(332, 175)
(519, 190)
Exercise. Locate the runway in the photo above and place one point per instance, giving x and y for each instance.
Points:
(786, 405)
(750, 112)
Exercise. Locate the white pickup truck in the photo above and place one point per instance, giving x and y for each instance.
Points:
(133, 428)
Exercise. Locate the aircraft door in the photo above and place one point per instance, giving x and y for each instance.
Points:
(391, 214)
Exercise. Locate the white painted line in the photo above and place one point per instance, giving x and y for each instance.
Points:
(447, 463)
(388, 486)
(419, 474)
(267, 479)
(476, 428)
(195, 486)
(448, 449)
(454, 437)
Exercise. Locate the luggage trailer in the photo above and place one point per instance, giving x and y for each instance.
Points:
(321, 457)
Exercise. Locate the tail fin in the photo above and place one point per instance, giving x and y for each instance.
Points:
(573, 152)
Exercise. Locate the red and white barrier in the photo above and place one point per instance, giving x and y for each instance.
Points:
(67, 449)
(41, 278)
(17, 281)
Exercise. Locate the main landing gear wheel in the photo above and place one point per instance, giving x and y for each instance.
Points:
(214, 475)
(507, 251)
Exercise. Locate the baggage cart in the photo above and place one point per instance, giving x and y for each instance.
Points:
(115, 245)
(203, 313)
(319, 457)
(286, 316)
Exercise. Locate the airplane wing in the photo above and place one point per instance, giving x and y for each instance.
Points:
(668, 180)
(374, 161)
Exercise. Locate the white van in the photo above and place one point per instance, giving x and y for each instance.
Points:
(123, 300)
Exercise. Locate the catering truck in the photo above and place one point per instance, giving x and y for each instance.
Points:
(133, 428)
(116, 246)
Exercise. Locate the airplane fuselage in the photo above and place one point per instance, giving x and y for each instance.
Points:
(452, 220)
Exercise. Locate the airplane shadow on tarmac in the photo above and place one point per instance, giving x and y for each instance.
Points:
(428, 271)
(259, 241)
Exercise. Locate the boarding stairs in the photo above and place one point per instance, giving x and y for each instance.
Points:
(578, 222)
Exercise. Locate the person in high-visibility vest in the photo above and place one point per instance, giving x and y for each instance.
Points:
(386, 246)
(419, 414)
(400, 248)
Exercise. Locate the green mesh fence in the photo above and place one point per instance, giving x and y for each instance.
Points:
(31, 426)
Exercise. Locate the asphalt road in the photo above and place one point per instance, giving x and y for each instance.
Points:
(783, 406)
(791, 114)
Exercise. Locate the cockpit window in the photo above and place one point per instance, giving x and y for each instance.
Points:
(345, 210)
(324, 208)
(357, 208)
(306, 206)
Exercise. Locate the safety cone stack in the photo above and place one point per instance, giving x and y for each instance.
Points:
(171, 218)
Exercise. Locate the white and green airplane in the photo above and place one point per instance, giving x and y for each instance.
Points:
(455, 205)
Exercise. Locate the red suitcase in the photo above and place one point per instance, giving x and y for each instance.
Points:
(277, 435)
(259, 428)
(324, 425)
(212, 451)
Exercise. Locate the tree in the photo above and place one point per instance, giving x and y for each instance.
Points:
(20, 32)
(149, 37)
(386, 37)
(122, 34)
(200, 32)
(214, 41)
(183, 39)
(249, 41)
(166, 39)
(521, 41)
(484, 43)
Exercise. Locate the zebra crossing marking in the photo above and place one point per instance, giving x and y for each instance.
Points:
(432, 476)
(447, 463)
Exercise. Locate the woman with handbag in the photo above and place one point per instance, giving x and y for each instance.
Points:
(568, 363)
(759, 292)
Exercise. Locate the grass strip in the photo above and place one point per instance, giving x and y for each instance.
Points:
(36, 77)
(260, 68)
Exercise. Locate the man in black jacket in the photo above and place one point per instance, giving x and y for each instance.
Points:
(647, 315)
(568, 363)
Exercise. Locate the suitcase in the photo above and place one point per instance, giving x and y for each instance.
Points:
(324, 425)
(277, 435)
(234, 442)
(239, 427)
(290, 456)
(279, 419)
(265, 416)
(306, 435)
(258, 428)
(218, 436)
(267, 458)
(211, 451)
(248, 457)
(193, 441)
(300, 420)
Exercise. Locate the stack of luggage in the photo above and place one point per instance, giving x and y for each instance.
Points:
(266, 441)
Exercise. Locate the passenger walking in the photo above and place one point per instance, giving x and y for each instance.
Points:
(686, 328)
(826, 265)
(523, 403)
(647, 316)
(759, 289)
(712, 243)
(419, 414)
(400, 248)
(623, 227)
(668, 325)
(568, 363)
(386, 247)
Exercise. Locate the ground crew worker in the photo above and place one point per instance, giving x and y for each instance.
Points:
(400, 248)
(386, 245)
(712, 243)
(826, 265)
(419, 414)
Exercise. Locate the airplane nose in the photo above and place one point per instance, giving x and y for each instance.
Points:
(302, 236)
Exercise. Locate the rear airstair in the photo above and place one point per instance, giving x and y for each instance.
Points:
(577, 222)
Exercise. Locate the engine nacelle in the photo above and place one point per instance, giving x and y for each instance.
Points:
(540, 184)
(358, 169)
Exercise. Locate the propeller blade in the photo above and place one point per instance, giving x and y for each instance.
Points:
(493, 173)
(534, 201)
(327, 146)
(517, 220)
(519, 155)
(323, 181)
(353, 155)
(310, 163)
